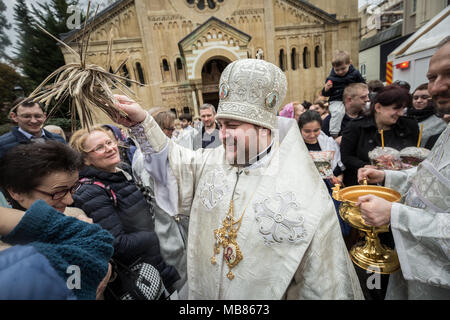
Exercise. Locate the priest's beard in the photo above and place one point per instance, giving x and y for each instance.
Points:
(442, 108)
(241, 149)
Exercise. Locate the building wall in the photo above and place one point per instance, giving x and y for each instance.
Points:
(342, 9)
(424, 11)
(389, 12)
(370, 58)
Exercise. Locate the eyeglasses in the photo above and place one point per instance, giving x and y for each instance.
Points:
(61, 194)
(30, 116)
(102, 148)
(169, 129)
(424, 97)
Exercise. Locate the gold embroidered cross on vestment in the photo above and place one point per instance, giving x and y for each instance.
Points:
(226, 237)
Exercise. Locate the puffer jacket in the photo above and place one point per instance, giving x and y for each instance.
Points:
(130, 221)
(339, 83)
(26, 274)
(64, 242)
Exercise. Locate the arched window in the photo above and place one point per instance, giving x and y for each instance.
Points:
(165, 70)
(179, 70)
(165, 65)
(179, 64)
(294, 59)
(201, 4)
(306, 58)
(126, 74)
(282, 60)
(140, 73)
(186, 110)
(317, 57)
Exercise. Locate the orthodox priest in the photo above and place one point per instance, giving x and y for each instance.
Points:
(421, 225)
(262, 224)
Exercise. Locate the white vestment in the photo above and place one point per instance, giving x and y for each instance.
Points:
(289, 236)
(431, 126)
(170, 227)
(186, 138)
(421, 226)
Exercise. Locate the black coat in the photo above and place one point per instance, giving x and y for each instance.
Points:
(339, 83)
(130, 222)
(361, 136)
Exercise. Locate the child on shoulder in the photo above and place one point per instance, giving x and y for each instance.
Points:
(342, 74)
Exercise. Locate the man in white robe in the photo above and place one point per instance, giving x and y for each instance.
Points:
(421, 225)
(262, 224)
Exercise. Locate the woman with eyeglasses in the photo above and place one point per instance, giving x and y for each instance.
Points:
(46, 170)
(424, 112)
(40, 178)
(110, 197)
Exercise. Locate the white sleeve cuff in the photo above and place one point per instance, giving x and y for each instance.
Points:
(398, 239)
(149, 135)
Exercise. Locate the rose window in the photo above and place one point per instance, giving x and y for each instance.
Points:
(203, 4)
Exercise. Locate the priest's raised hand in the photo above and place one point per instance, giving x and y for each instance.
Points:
(135, 113)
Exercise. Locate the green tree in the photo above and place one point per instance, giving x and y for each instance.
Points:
(9, 78)
(38, 55)
(4, 25)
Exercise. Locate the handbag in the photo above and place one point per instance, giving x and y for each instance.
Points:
(139, 281)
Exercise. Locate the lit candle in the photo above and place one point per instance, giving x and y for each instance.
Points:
(382, 138)
(420, 135)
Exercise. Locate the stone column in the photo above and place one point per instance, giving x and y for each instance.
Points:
(269, 22)
(151, 52)
(200, 95)
(194, 99)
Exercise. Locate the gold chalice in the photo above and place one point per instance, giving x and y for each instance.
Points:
(369, 254)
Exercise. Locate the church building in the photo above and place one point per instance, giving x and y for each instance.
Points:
(178, 48)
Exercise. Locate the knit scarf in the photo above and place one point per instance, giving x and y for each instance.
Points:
(422, 114)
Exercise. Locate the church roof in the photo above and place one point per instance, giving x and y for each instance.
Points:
(304, 4)
(209, 21)
(102, 14)
(307, 6)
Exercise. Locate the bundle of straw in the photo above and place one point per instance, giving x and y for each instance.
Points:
(88, 86)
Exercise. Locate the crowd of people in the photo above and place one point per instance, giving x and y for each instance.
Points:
(234, 204)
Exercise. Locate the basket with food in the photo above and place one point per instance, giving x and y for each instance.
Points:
(412, 156)
(385, 158)
(322, 160)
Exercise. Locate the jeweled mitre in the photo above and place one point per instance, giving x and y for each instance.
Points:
(251, 90)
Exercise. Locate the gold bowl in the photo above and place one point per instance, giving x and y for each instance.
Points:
(369, 254)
